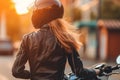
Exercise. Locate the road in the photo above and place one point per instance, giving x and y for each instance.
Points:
(6, 63)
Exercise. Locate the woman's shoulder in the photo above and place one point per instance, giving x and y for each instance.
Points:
(32, 33)
(35, 34)
(29, 35)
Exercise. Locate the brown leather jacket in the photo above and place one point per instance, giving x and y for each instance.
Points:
(46, 58)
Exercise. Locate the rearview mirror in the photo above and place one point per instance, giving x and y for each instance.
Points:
(118, 60)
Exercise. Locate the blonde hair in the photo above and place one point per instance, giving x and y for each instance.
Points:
(65, 34)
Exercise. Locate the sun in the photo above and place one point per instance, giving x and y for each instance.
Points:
(22, 6)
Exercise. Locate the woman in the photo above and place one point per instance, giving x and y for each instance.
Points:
(47, 49)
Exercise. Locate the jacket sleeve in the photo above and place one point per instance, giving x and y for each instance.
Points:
(18, 69)
(77, 66)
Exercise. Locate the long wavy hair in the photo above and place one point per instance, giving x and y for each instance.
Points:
(66, 34)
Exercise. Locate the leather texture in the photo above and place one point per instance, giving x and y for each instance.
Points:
(46, 58)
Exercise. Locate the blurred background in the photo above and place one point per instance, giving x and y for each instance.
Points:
(97, 21)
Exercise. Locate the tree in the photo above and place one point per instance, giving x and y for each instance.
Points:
(93, 16)
(12, 19)
(110, 10)
(13, 25)
(5, 5)
(76, 14)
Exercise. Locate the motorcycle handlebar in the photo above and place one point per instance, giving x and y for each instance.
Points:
(116, 67)
(104, 70)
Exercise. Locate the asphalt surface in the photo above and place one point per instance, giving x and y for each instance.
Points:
(6, 63)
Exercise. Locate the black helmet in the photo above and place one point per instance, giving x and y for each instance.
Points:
(46, 11)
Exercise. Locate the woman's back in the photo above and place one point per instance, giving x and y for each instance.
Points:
(47, 59)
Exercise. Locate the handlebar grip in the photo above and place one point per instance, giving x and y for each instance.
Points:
(115, 67)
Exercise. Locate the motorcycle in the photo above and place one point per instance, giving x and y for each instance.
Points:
(105, 71)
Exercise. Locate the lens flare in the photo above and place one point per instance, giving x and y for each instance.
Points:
(22, 6)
